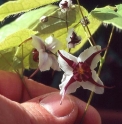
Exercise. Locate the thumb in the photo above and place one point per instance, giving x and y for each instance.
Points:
(46, 109)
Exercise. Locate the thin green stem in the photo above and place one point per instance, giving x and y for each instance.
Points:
(85, 33)
(104, 56)
(25, 41)
(66, 22)
(87, 105)
(92, 40)
(99, 70)
(21, 75)
(24, 83)
(22, 62)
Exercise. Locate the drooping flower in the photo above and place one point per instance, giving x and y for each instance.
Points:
(80, 71)
(45, 52)
(72, 38)
(65, 5)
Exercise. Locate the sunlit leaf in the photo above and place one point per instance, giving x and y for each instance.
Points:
(55, 25)
(119, 9)
(58, 27)
(109, 16)
(14, 7)
(16, 39)
(6, 59)
(28, 20)
(24, 54)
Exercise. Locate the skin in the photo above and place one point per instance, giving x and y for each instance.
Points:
(40, 105)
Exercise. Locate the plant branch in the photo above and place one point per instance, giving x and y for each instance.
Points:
(106, 51)
(87, 105)
(92, 40)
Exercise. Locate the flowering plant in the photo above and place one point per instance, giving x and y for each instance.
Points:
(66, 28)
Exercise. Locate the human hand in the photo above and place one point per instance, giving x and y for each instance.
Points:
(16, 106)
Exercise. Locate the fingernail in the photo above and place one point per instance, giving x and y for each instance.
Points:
(52, 104)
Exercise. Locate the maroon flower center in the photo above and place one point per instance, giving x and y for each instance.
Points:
(74, 38)
(82, 72)
(65, 5)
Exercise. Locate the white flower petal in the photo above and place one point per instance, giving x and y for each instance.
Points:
(71, 88)
(45, 61)
(87, 53)
(63, 64)
(37, 43)
(70, 45)
(55, 65)
(70, 31)
(88, 85)
(52, 44)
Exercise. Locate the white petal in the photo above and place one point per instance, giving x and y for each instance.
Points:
(88, 85)
(87, 53)
(63, 64)
(70, 31)
(71, 88)
(37, 43)
(45, 61)
(52, 44)
(55, 65)
(70, 45)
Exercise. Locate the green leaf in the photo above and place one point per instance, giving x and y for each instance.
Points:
(15, 7)
(25, 21)
(119, 9)
(24, 54)
(17, 32)
(6, 59)
(109, 16)
(56, 25)
(16, 39)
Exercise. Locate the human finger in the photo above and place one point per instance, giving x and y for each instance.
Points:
(13, 87)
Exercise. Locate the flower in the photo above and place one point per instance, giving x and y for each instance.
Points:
(65, 5)
(72, 38)
(80, 71)
(46, 52)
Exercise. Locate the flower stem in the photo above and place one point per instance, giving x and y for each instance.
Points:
(87, 105)
(25, 41)
(22, 76)
(22, 62)
(66, 22)
(34, 73)
(99, 71)
(91, 38)
(106, 51)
